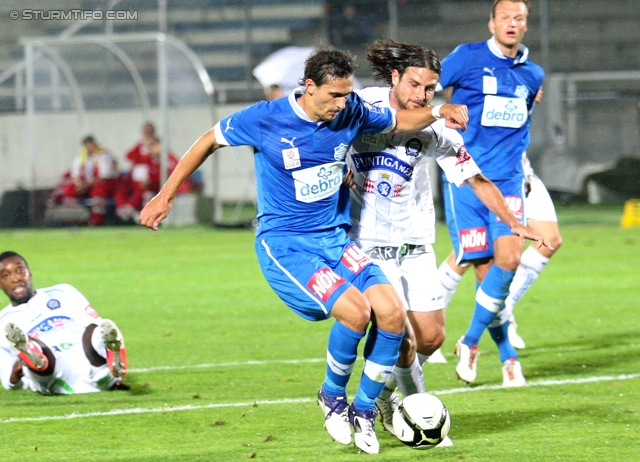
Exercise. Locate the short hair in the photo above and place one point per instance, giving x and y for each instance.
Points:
(89, 139)
(527, 3)
(385, 55)
(11, 254)
(328, 63)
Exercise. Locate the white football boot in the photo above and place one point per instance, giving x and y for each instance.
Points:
(114, 343)
(336, 417)
(364, 427)
(512, 374)
(515, 340)
(29, 352)
(467, 361)
(385, 408)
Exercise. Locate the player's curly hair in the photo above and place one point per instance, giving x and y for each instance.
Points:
(328, 63)
(11, 254)
(385, 55)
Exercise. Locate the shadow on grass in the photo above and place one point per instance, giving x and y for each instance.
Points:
(138, 388)
(602, 352)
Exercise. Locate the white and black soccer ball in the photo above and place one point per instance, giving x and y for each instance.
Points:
(421, 421)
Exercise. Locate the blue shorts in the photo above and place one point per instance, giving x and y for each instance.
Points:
(472, 226)
(309, 272)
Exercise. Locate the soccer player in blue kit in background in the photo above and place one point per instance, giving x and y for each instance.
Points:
(300, 143)
(499, 84)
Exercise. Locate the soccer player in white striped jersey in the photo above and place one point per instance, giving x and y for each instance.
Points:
(53, 341)
(392, 209)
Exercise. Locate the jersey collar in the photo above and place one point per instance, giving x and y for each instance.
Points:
(521, 57)
(293, 101)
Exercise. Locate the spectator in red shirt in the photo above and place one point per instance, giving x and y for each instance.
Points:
(143, 180)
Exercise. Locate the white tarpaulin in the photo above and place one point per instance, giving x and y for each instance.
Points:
(285, 68)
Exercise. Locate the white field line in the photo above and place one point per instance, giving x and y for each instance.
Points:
(318, 360)
(541, 383)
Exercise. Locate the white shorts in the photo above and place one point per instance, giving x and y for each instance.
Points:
(72, 374)
(538, 204)
(415, 277)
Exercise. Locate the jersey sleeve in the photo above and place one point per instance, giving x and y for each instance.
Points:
(376, 119)
(241, 128)
(453, 67)
(451, 155)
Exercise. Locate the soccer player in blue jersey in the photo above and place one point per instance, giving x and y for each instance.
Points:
(300, 143)
(499, 84)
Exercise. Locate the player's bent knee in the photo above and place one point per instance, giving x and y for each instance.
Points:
(408, 344)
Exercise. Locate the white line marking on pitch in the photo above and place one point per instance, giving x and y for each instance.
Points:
(229, 364)
(137, 410)
(317, 360)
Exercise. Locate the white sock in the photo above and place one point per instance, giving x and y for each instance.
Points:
(96, 342)
(389, 386)
(449, 280)
(532, 263)
(422, 358)
(410, 379)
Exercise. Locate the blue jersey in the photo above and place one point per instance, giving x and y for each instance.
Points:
(300, 163)
(499, 92)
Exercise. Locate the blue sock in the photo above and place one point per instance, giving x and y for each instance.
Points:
(490, 298)
(501, 337)
(342, 351)
(380, 356)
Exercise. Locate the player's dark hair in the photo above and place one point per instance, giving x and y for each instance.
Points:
(11, 254)
(385, 55)
(527, 3)
(328, 64)
(89, 139)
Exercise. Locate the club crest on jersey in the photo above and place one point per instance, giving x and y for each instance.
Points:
(53, 304)
(413, 147)
(355, 259)
(324, 283)
(474, 239)
(463, 155)
(340, 152)
(521, 92)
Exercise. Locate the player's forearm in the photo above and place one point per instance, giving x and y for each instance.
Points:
(189, 163)
(492, 198)
(409, 120)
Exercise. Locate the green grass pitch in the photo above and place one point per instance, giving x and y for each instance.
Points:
(221, 370)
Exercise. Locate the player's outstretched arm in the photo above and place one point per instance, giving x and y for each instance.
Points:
(410, 120)
(490, 195)
(158, 208)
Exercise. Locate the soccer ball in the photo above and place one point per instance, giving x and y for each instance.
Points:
(421, 421)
